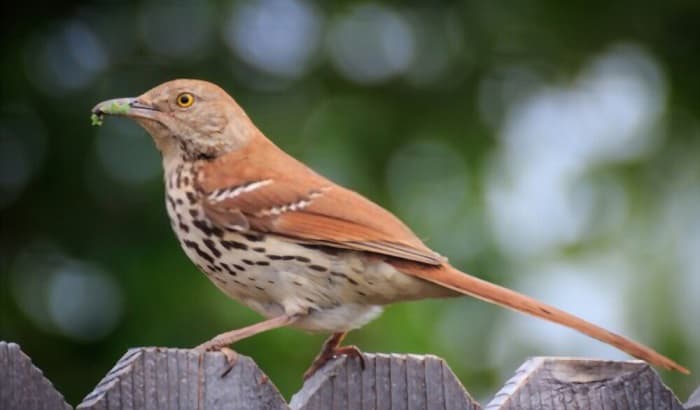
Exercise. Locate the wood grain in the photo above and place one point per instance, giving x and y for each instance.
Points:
(388, 382)
(162, 378)
(562, 384)
(22, 385)
(158, 378)
(693, 402)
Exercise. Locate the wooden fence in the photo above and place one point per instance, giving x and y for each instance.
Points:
(159, 378)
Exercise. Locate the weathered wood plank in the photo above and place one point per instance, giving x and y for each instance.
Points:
(22, 385)
(157, 378)
(398, 392)
(693, 402)
(434, 384)
(563, 383)
(382, 373)
(368, 385)
(391, 382)
(415, 384)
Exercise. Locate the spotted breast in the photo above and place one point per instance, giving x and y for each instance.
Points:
(341, 290)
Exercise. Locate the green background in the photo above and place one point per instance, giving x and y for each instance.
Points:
(552, 147)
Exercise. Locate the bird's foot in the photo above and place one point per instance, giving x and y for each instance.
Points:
(229, 354)
(221, 342)
(327, 355)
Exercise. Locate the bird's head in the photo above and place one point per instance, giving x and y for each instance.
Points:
(190, 118)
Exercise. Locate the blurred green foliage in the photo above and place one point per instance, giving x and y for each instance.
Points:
(433, 109)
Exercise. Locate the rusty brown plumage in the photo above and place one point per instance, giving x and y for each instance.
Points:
(291, 244)
(300, 204)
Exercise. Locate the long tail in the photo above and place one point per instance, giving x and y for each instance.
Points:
(452, 278)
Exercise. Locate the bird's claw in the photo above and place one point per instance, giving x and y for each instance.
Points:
(229, 354)
(231, 359)
(326, 356)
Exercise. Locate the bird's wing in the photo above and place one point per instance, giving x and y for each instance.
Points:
(244, 190)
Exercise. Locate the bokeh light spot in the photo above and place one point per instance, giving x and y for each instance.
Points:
(371, 44)
(556, 134)
(63, 295)
(67, 58)
(277, 37)
(85, 303)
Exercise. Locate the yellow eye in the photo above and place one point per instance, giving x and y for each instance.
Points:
(185, 100)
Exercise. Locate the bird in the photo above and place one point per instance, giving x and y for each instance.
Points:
(290, 244)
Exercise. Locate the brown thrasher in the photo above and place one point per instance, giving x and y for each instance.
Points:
(290, 244)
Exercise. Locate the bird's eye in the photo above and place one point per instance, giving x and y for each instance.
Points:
(185, 100)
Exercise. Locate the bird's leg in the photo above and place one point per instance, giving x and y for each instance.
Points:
(221, 342)
(332, 349)
(227, 338)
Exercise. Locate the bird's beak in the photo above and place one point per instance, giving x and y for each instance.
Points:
(129, 107)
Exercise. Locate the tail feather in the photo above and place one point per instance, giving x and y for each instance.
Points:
(452, 278)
